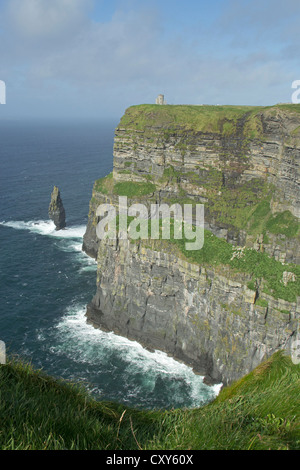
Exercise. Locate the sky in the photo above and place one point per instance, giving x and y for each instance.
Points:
(92, 59)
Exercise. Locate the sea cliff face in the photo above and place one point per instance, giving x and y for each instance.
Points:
(205, 317)
(243, 165)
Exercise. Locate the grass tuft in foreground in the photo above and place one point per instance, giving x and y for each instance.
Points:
(260, 411)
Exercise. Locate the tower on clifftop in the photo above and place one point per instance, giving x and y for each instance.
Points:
(160, 100)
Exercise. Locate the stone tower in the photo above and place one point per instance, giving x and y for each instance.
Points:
(160, 100)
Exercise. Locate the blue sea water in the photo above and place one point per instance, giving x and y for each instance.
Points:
(46, 280)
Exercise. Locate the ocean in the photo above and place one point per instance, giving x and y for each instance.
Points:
(46, 280)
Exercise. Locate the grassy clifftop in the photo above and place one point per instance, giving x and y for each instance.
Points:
(260, 411)
(202, 118)
(197, 118)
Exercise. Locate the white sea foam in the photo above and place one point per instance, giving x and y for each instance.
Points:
(83, 343)
(47, 227)
(39, 226)
(68, 240)
(73, 246)
(217, 388)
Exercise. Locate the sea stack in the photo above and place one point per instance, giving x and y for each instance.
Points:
(56, 210)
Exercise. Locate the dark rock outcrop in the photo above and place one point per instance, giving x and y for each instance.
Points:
(56, 210)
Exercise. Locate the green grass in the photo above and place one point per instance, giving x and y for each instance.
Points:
(108, 185)
(245, 207)
(216, 251)
(295, 108)
(284, 223)
(260, 411)
(215, 119)
(260, 215)
(103, 185)
(133, 189)
(238, 206)
(262, 303)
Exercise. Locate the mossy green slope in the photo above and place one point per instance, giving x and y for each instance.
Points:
(260, 411)
(200, 118)
(219, 119)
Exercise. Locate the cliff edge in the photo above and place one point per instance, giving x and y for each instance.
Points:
(227, 307)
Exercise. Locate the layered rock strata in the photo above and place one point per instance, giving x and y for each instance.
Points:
(243, 165)
(205, 317)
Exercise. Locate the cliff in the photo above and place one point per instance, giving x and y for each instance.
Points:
(235, 302)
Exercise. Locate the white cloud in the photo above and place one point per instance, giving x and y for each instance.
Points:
(127, 48)
(38, 19)
(53, 51)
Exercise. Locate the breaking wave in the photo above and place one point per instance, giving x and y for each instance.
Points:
(110, 366)
(68, 239)
(47, 227)
(132, 373)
